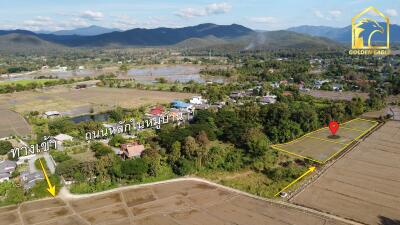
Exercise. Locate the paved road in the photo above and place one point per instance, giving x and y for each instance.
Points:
(31, 163)
(50, 162)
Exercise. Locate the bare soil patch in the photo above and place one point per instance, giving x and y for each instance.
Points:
(173, 203)
(364, 185)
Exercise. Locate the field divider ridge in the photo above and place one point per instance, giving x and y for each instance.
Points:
(295, 154)
(323, 139)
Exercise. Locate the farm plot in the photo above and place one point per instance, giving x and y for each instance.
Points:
(77, 102)
(365, 184)
(320, 146)
(184, 202)
(11, 123)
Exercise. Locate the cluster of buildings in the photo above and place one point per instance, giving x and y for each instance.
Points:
(7, 168)
(27, 179)
(263, 100)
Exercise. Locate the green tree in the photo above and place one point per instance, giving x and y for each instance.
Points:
(117, 140)
(5, 147)
(134, 169)
(61, 125)
(175, 152)
(153, 159)
(100, 149)
(190, 147)
(257, 142)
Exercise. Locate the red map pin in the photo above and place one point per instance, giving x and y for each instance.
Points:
(334, 127)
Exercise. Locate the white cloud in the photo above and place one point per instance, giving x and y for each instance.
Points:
(318, 14)
(190, 13)
(391, 12)
(41, 23)
(218, 8)
(330, 15)
(208, 10)
(126, 22)
(335, 13)
(263, 19)
(92, 15)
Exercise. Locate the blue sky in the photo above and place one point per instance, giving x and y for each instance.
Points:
(52, 15)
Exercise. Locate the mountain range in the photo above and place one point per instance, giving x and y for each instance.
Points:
(343, 34)
(233, 36)
(202, 35)
(86, 31)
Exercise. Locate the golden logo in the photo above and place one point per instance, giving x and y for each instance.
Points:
(363, 31)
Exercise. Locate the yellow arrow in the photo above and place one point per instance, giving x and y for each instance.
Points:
(51, 189)
(311, 169)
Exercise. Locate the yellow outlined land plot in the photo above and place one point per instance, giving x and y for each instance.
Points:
(319, 147)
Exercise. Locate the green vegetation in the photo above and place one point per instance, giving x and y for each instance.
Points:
(60, 156)
(5, 147)
(38, 166)
(24, 85)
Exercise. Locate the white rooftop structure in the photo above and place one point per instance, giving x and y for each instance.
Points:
(63, 137)
(52, 113)
(197, 100)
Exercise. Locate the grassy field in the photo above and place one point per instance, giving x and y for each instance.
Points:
(11, 123)
(320, 146)
(78, 102)
(25, 82)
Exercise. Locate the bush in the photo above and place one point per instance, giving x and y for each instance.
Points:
(134, 168)
(184, 167)
(59, 156)
(5, 147)
(100, 149)
(117, 140)
(38, 166)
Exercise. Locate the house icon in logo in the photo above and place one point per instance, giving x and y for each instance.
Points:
(364, 29)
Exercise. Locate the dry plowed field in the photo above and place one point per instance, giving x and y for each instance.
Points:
(174, 203)
(11, 123)
(320, 145)
(365, 184)
(73, 102)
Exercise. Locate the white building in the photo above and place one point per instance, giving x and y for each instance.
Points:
(61, 138)
(268, 99)
(7, 167)
(50, 114)
(197, 100)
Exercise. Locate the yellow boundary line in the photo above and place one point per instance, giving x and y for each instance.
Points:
(292, 153)
(358, 137)
(345, 128)
(322, 139)
(334, 154)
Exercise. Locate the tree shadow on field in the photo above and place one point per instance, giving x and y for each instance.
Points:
(388, 221)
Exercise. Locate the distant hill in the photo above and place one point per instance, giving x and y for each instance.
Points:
(286, 39)
(264, 40)
(149, 37)
(342, 34)
(22, 42)
(86, 31)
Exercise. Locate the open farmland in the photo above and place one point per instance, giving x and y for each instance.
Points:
(335, 95)
(173, 203)
(11, 123)
(320, 146)
(76, 102)
(365, 184)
